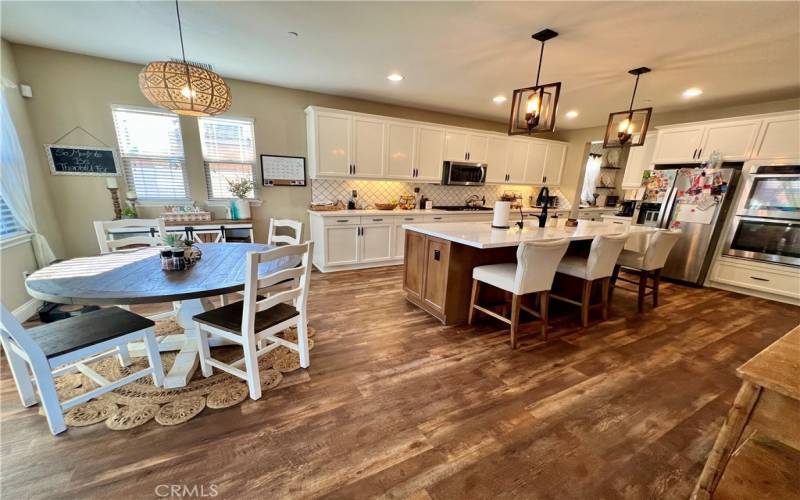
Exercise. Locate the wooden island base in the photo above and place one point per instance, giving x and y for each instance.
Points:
(438, 274)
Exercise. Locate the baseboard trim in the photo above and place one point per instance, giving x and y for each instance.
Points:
(26, 310)
(353, 267)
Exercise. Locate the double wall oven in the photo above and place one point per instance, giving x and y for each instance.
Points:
(766, 226)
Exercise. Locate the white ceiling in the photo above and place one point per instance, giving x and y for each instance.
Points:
(455, 55)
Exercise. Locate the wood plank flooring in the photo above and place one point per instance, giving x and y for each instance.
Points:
(395, 405)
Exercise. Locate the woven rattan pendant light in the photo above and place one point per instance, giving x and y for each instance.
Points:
(185, 88)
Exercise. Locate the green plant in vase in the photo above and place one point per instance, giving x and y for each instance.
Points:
(128, 213)
(241, 188)
(173, 241)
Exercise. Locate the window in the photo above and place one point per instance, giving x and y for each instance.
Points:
(229, 153)
(9, 226)
(151, 148)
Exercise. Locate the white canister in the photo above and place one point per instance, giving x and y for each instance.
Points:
(502, 210)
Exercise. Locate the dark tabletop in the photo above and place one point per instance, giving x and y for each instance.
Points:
(135, 277)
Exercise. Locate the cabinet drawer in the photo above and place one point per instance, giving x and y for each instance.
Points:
(408, 219)
(758, 279)
(438, 218)
(341, 221)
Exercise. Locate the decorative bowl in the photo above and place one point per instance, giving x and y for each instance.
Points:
(386, 206)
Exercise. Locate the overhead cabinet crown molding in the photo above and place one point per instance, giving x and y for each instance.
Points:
(344, 145)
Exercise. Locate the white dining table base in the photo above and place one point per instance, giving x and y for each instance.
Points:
(185, 343)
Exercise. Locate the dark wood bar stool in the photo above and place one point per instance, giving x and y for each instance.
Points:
(647, 265)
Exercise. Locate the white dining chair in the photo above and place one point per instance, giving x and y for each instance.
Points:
(533, 273)
(273, 238)
(254, 322)
(156, 227)
(598, 266)
(68, 345)
(647, 264)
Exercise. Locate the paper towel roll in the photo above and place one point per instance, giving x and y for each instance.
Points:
(502, 209)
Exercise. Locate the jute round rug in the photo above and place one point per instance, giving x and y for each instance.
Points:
(139, 402)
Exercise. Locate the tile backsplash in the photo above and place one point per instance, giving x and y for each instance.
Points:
(371, 192)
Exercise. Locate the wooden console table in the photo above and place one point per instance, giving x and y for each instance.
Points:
(211, 231)
(757, 451)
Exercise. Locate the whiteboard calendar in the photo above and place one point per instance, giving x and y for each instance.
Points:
(283, 170)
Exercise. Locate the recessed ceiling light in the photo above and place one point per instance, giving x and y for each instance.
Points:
(499, 99)
(395, 77)
(692, 92)
(571, 114)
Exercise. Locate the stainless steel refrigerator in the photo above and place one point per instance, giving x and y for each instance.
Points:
(697, 203)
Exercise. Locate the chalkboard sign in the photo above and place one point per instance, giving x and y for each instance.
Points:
(81, 160)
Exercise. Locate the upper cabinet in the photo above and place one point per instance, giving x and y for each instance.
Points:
(342, 144)
(779, 138)
(639, 160)
(766, 136)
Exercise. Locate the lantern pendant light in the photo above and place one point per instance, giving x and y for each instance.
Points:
(628, 128)
(533, 109)
(185, 88)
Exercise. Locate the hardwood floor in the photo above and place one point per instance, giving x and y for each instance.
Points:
(397, 405)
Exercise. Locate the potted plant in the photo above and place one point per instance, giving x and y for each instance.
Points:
(240, 188)
(128, 213)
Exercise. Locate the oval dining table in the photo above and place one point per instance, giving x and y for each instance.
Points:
(132, 277)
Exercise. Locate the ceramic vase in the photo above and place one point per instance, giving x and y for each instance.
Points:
(242, 209)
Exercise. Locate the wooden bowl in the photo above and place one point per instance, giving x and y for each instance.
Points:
(386, 206)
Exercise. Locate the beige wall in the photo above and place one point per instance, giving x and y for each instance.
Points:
(17, 259)
(71, 89)
(576, 154)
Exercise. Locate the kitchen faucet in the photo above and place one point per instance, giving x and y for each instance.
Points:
(543, 194)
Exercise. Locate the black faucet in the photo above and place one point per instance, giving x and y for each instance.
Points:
(544, 194)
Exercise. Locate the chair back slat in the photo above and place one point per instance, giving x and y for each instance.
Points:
(603, 255)
(13, 329)
(300, 276)
(108, 245)
(274, 224)
(537, 263)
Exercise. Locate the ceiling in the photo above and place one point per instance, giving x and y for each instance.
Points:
(455, 56)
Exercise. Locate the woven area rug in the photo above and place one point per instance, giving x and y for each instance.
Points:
(139, 402)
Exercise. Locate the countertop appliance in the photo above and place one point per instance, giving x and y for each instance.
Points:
(626, 208)
(694, 200)
(766, 226)
(462, 173)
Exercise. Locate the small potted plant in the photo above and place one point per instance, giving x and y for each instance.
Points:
(240, 188)
(128, 213)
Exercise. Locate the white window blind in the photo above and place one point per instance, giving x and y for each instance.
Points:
(229, 153)
(151, 148)
(8, 223)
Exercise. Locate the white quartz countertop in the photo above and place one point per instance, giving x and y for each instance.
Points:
(416, 211)
(483, 235)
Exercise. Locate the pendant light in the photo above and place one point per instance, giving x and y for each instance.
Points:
(533, 109)
(628, 128)
(186, 88)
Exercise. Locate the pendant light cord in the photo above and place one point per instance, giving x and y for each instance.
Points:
(539, 70)
(635, 86)
(180, 31)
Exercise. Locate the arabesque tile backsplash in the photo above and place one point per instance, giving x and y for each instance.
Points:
(371, 192)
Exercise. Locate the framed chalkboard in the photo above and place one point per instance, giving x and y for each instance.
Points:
(82, 160)
(277, 170)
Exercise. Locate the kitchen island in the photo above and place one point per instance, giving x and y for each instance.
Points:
(439, 258)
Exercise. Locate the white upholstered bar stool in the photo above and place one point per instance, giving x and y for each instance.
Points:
(533, 273)
(647, 264)
(598, 266)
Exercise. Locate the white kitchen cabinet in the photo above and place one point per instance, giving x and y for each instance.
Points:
(430, 153)
(464, 146)
(341, 245)
(368, 141)
(333, 143)
(554, 163)
(534, 162)
(516, 162)
(733, 139)
(779, 138)
(678, 145)
(497, 160)
(376, 243)
(639, 160)
(401, 140)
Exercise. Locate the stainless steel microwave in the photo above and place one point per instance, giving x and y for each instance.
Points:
(462, 173)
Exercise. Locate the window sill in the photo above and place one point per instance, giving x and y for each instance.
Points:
(14, 241)
(227, 202)
(161, 203)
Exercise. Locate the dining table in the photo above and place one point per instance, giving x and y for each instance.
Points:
(135, 276)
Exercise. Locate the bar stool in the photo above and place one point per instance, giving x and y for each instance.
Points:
(647, 263)
(533, 273)
(598, 266)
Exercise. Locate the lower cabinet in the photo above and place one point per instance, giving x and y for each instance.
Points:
(341, 245)
(434, 287)
(414, 264)
(376, 242)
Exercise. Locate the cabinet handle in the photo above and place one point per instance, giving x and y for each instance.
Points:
(437, 255)
(544, 179)
(694, 155)
(354, 169)
(700, 153)
(758, 279)
(377, 220)
(342, 220)
(408, 218)
(437, 218)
